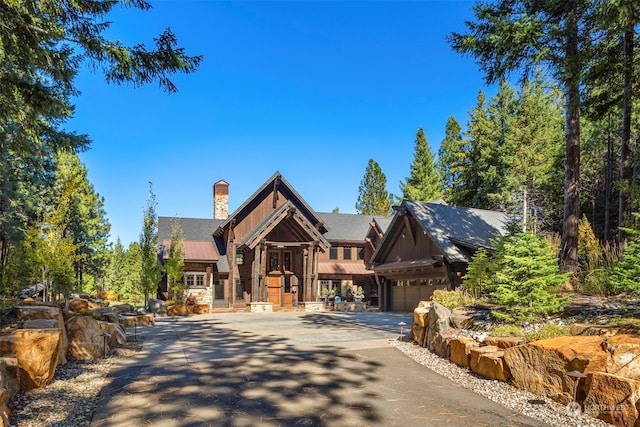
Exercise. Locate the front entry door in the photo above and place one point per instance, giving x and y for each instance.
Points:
(275, 290)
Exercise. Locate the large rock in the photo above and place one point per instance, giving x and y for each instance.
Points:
(41, 317)
(4, 409)
(504, 342)
(37, 353)
(438, 323)
(488, 362)
(420, 323)
(612, 398)
(442, 342)
(10, 376)
(85, 338)
(116, 334)
(541, 366)
(78, 305)
(471, 318)
(158, 307)
(460, 350)
(623, 356)
(135, 320)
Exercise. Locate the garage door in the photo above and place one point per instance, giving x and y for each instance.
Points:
(406, 298)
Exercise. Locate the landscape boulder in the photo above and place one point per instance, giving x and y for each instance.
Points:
(420, 323)
(78, 305)
(158, 307)
(460, 350)
(9, 375)
(438, 323)
(116, 334)
(37, 353)
(471, 318)
(57, 324)
(504, 342)
(623, 356)
(85, 338)
(4, 409)
(541, 366)
(488, 362)
(612, 398)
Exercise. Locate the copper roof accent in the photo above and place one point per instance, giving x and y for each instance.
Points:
(195, 250)
(343, 268)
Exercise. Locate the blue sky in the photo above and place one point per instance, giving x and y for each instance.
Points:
(313, 89)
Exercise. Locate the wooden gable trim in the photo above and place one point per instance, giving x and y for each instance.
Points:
(286, 211)
(409, 229)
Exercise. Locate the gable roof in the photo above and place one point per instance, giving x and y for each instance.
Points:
(350, 227)
(274, 218)
(281, 184)
(457, 231)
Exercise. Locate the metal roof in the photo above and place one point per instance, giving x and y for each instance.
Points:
(350, 227)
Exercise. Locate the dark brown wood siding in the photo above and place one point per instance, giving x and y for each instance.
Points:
(403, 248)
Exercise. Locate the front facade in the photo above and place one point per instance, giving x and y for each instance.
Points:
(274, 248)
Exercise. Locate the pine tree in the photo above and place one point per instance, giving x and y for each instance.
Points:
(425, 181)
(373, 198)
(453, 163)
(479, 274)
(527, 278)
(626, 274)
(517, 35)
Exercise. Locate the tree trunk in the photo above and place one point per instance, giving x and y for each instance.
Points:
(569, 250)
(608, 185)
(625, 157)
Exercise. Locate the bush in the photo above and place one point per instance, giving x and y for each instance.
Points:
(527, 279)
(450, 299)
(550, 330)
(509, 330)
(479, 274)
(625, 277)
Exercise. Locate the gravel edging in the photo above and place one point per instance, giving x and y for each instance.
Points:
(71, 398)
(523, 402)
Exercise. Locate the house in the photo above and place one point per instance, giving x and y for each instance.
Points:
(274, 248)
(427, 246)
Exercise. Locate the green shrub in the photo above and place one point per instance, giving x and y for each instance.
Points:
(625, 277)
(550, 330)
(509, 330)
(479, 274)
(450, 299)
(527, 279)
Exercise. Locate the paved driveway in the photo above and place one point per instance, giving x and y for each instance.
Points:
(286, 369)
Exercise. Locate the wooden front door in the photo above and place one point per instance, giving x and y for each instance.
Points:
(275, 290)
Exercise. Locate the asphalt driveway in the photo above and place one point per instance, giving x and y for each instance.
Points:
(286, 369)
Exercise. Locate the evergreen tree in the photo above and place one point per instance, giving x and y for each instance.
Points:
(479, 274)
(150, 271)
(626, 274)
(373, 198)
(480, 138)
(425, 182)
(88, 225)
(43, 45)
(527, 278)
(453, 163)
(517, 35)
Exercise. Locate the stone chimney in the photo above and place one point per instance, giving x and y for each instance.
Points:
(220, 200)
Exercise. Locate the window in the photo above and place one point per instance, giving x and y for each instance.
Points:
(274, 261)
(239, 289)
(347, 252)
(194, 279)
(360, 252)
(333, 252)
(286, 261)
(218, 292)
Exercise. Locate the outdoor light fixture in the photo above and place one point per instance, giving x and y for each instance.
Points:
(402, 325)
(573, 408)
(105, 335)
